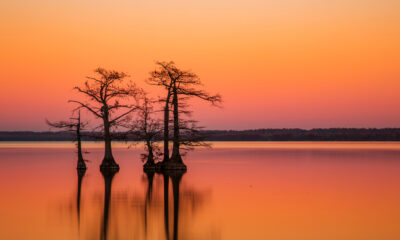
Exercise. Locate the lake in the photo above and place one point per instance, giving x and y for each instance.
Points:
(236, 190)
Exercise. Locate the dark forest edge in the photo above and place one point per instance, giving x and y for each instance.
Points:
(329, 134)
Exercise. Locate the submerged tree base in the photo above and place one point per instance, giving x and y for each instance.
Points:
(168, 172)
(174, 172)
(159, 166)
(176, 158)
(109, 164)
(81, 172)
(171, 165)
(81, 165)
(109, 172)
(149, 166)
(175, 162)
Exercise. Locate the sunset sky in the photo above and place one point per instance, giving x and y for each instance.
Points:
(277, 64)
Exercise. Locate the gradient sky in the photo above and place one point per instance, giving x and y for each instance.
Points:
(287, 63)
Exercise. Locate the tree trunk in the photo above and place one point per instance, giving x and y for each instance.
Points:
(166, 130)
(81, 162)
(176, 158)
(150, 164)
(150, 158)
(108, 161)
(176, 155)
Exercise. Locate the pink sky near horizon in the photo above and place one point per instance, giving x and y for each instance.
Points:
(277, 64)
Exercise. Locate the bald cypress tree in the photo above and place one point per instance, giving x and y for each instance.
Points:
(164, 76)
(74, 125)
(180, 86)
(110, 100)
(147, 128)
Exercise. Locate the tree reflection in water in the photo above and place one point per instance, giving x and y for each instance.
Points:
(159, 208)
(108, 175)
(81, 174)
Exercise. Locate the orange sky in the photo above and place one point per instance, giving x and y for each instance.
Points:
(288, 63)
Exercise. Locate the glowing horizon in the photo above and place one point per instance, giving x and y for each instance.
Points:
(279, 64)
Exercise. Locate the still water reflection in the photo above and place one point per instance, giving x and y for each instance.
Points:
(292, 191)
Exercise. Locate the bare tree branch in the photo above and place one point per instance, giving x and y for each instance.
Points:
(87, 107)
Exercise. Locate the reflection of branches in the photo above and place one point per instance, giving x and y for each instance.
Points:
(141, 214)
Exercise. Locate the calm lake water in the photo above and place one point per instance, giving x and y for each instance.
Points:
(241, 190)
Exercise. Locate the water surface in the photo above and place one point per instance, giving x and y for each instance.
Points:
(240, 190)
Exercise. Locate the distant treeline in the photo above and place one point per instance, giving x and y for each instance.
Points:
(331, 134)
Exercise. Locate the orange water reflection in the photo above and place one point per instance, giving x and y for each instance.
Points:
(240, 192)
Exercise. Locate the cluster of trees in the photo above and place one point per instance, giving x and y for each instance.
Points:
(123, 105)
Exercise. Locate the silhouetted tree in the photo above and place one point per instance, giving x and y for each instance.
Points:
(164, 76)
(147, 129)
(73, 125)
(185, 87)
(105, 91)
(180, 85)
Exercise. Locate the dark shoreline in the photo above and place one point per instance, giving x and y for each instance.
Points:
(326, 134)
